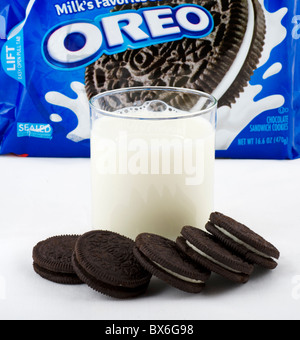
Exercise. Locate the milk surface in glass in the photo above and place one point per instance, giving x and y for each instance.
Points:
(152, 175)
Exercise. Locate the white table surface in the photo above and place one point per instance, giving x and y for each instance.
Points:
(41, 198)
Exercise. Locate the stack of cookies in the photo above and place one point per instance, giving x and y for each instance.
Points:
(117, 266)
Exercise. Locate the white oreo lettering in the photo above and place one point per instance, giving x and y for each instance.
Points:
(132, 29)
(182, 18)
(115, 32)
(156, 23)
(56, 43)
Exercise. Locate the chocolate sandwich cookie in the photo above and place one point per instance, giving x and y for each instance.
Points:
(206, 250)
(243, 241)
(104, 260)
(220, 64)
(53, 259)
(161, 257)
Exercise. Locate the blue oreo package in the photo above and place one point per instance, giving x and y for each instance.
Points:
(56, 54)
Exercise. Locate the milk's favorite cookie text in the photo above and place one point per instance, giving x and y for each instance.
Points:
(77, 6)
(56, 55)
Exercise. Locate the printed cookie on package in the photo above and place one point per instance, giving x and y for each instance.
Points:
(57, 54)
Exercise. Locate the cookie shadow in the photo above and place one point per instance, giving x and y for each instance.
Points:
(259, 272)
(156, 287)
(219, 285)
(216, 285)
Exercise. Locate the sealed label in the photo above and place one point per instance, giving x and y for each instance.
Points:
(56, 55)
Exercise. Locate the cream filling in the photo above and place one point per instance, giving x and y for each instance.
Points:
(240, 59)
(211, 258)
(234, 238)
(181, 277)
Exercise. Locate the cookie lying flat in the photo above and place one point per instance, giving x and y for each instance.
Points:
(208, 252)
(162, 258)
(53, 259)
(104, 260)
(242, 240)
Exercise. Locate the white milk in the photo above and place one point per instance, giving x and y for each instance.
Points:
(152, 175)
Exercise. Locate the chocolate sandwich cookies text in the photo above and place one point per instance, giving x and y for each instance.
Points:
(240, 51)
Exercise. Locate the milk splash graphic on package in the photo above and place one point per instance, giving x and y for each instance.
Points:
(230, 120)
(233, 120)
(78, 106)
(43, 69)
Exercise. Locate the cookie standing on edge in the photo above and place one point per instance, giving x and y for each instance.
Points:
(207, 251)
(243, 240)
(53, 259)
(161, 257)
(104, 260)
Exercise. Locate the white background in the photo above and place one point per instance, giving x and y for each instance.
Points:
(40, 198)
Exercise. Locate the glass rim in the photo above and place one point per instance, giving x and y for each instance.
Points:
(115, 114)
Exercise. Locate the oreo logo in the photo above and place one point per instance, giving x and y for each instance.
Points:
(77, 44)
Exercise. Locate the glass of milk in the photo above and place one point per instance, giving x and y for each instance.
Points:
(152, 160)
